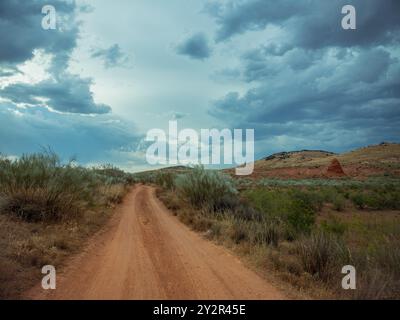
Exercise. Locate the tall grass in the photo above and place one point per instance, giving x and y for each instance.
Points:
(322, 255)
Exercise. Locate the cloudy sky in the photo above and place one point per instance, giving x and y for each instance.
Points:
(112, 70)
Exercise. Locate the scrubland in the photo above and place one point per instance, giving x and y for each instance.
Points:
(303, 231)
(47, 211)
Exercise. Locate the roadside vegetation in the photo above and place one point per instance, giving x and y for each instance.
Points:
(47, 210)
(305, 232)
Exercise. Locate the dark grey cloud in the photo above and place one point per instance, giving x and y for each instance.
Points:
(22, 35)
(72, 95)
(236, 17)
(195, 47)
(311, 24)
(263, 62)
(358, 92)
(112, 56)
(319, 85)
(21, 32)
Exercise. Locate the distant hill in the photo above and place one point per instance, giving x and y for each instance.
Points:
(375, 160)
(173, 169)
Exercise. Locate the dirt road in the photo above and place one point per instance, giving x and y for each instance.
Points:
(146, 253)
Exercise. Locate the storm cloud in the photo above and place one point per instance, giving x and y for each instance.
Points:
(285, 68)
(21, 32)
(195, 47)
(310, 24)
(22, 35)
(71, 95)
(320, 83)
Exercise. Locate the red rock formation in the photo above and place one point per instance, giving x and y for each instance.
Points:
(335, 168)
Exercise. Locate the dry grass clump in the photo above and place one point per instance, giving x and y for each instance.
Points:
(322, 255)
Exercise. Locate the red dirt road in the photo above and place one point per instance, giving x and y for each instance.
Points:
(146, 253)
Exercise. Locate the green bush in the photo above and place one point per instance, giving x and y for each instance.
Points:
(359, 199)
(313, 200)
(294, 210)
(334, 226)
(273, 204)
(301, 217)
(339, 202)
(239, 232)
(206, 188)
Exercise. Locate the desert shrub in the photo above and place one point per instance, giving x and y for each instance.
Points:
(327, 193)
(200, 223)
(170, 199)
(109, 174)
(216, 229)
(322, 255)
(274, 204)
(145, 177)
(39, 187)
(383, 199)
(310, 199)
(42, 205)
(294, 210)
(206, 188)
(245, 212)
(239, 231)
(359, 199)
(334, 226)
(113, 193)
(165, 179)
(339, 202)
(378, 274)
(300, 217)
(254, 231)
(372, 284)
(377, 199)
(392, 200)
(264, 233)
(387, 257)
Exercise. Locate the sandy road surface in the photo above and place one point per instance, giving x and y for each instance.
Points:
(146, 253)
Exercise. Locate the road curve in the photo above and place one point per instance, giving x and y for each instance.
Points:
(146, 253)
